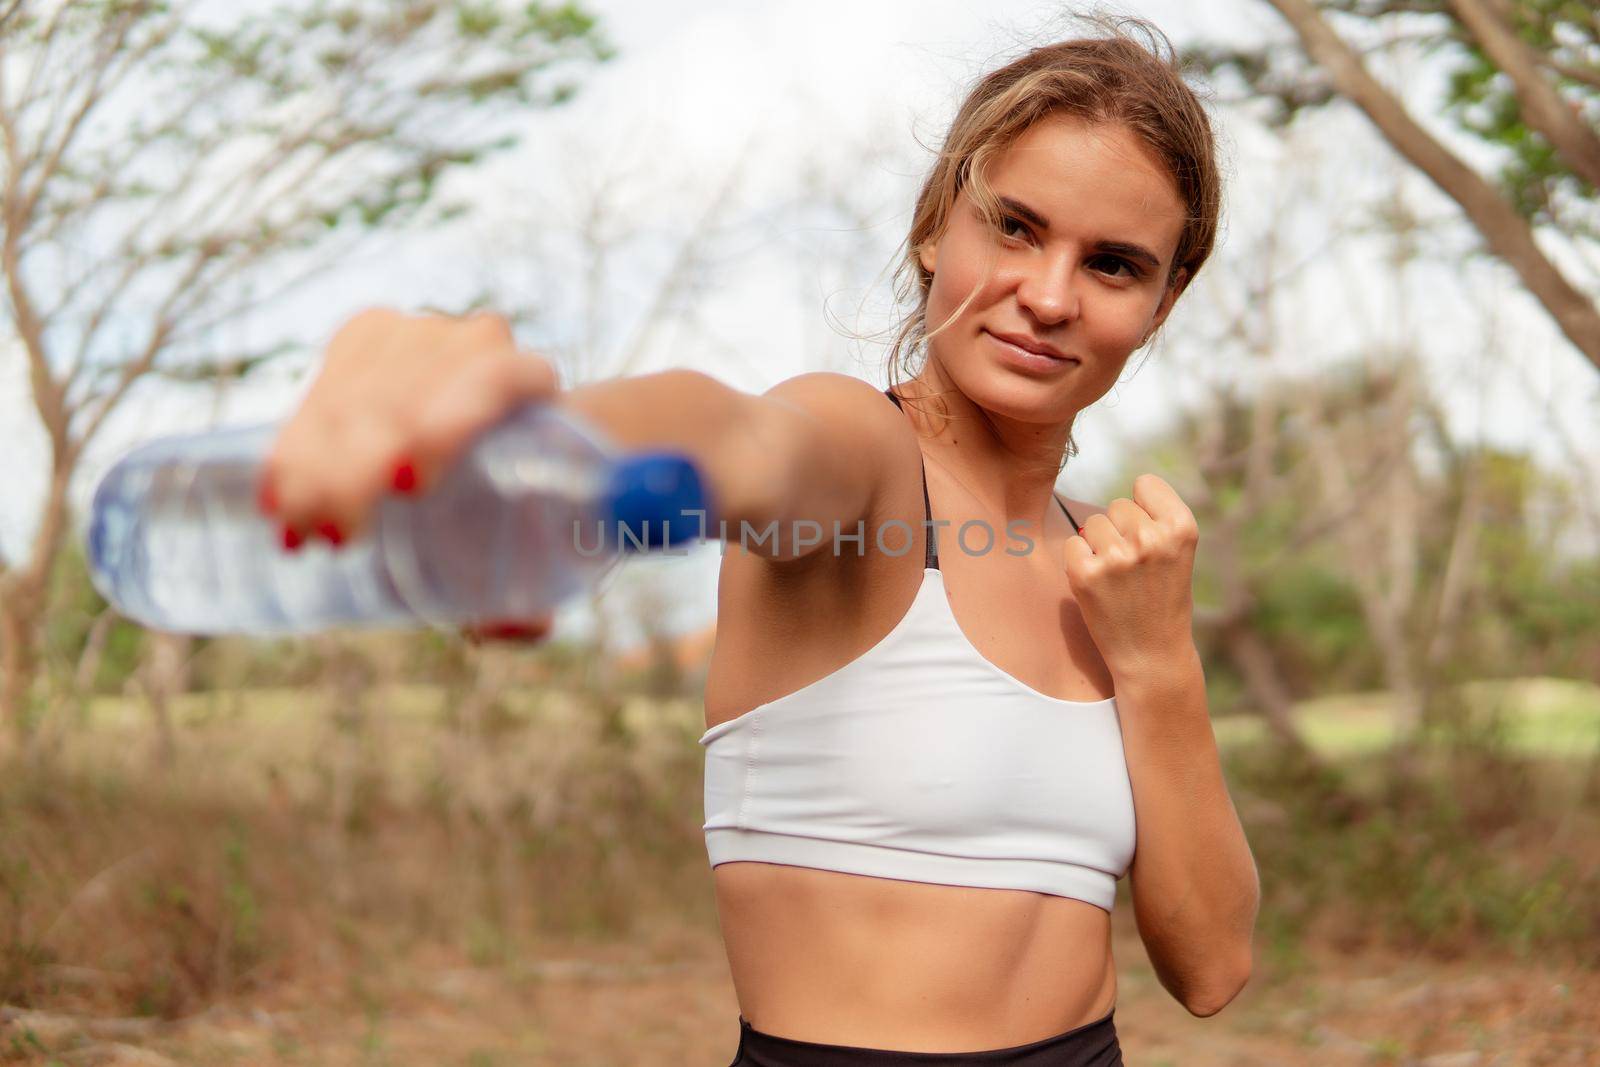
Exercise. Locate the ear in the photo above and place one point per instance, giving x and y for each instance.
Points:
(929, 255)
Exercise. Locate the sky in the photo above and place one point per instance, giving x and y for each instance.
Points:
(846, 91)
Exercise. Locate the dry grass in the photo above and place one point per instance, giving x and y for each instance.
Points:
(293, 837)
(486, 873)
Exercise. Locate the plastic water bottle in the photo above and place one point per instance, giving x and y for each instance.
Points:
(540, 507)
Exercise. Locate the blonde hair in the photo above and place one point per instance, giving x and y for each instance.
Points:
(1128, 76)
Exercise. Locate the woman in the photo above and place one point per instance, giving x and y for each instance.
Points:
(936, 738)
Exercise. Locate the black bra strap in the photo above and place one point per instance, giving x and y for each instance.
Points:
(1070, 519)
(930, 550)
(930, 554)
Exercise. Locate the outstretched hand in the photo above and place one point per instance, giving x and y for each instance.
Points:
(1132, 572)
(397, 399)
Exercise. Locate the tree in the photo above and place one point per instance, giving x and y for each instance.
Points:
(1349, 525)
(162, 173)
(1524, 78)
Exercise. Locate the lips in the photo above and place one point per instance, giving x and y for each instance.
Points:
(1031, 344)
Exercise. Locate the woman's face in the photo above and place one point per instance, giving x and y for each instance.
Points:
(1080, 262)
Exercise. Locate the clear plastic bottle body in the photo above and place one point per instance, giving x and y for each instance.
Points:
(513, 528)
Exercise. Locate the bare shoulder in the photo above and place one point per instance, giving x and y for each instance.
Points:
(839, 398)
(855, 413)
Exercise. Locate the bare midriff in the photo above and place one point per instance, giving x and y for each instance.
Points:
(845, 959)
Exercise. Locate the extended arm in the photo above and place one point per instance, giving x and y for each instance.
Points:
(812, 447)
(398, 397)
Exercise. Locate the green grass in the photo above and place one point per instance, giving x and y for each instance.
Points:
(1540, 716)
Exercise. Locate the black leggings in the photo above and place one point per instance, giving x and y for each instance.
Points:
(1091, 1045)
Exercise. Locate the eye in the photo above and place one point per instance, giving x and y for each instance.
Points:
(1006, 221)
(1111, 263)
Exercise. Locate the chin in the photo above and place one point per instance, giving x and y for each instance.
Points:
(1014, 397)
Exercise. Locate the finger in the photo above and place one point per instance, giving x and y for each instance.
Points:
(1156, 497)
(293, 481)
(524, 631)
(490, 386)
(1080, 565)
(1133, 525)
(1166, 507)
(354, 475)
(1098, 531)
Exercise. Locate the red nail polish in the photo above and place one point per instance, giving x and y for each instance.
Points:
(1080, 531)
(292, 539)
(405, 476)
(331, 532)
(266, 499)
(509, 631)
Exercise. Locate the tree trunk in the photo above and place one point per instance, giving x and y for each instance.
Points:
(19, 617)
(165, 675)
(24, 602)
(94, 649)
(1250, 654)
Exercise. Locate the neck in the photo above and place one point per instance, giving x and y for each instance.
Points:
(1009, 466)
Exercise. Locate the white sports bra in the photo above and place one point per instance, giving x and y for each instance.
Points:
(921, 760)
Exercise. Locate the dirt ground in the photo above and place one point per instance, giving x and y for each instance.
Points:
(666, 998)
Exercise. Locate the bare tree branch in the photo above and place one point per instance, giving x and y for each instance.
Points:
(1542, 106)
(8, 10)
(1581, 75)
(1506, 233)
(47, 392)
(43, 61)
(44, 162)
(680, 272)
(112, 168)
(161, 328)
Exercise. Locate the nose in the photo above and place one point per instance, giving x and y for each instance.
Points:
(1050, 292)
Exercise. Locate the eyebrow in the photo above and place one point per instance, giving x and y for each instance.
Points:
(1138, 253)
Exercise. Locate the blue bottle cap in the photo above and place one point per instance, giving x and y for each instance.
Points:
(655, 500)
